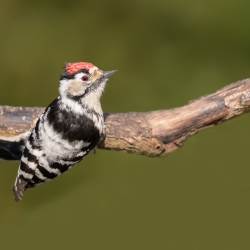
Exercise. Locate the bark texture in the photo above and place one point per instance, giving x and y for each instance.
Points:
(153, 133)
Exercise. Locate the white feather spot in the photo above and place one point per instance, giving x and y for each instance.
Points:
(82, 153)
(25, 175)
(40, 175)
(31, 165)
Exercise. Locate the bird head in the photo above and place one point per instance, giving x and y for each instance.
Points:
(81, 79)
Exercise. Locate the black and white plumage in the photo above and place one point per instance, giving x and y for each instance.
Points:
(67, 130)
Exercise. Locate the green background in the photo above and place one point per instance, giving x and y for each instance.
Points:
(167, 53)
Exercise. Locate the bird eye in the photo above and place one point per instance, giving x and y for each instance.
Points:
(85, 78)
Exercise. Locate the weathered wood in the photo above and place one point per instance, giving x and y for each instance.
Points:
(17, 120)
(152, 133)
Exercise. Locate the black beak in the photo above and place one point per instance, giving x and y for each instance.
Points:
(107, 74)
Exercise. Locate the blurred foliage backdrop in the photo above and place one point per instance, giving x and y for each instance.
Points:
(167, 53)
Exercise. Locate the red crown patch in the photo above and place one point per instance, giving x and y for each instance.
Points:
(71, 68)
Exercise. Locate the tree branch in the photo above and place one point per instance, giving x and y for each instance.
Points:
(152, 133)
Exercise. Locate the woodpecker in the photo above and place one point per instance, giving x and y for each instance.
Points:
(67, 130)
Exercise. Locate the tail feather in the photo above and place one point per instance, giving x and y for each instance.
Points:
(19, 188)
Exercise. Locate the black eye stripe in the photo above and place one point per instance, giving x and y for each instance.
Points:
(65, 75)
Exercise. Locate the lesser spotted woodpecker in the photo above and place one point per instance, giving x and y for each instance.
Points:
(67, 130)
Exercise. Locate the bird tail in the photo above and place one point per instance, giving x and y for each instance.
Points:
(19, 188)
